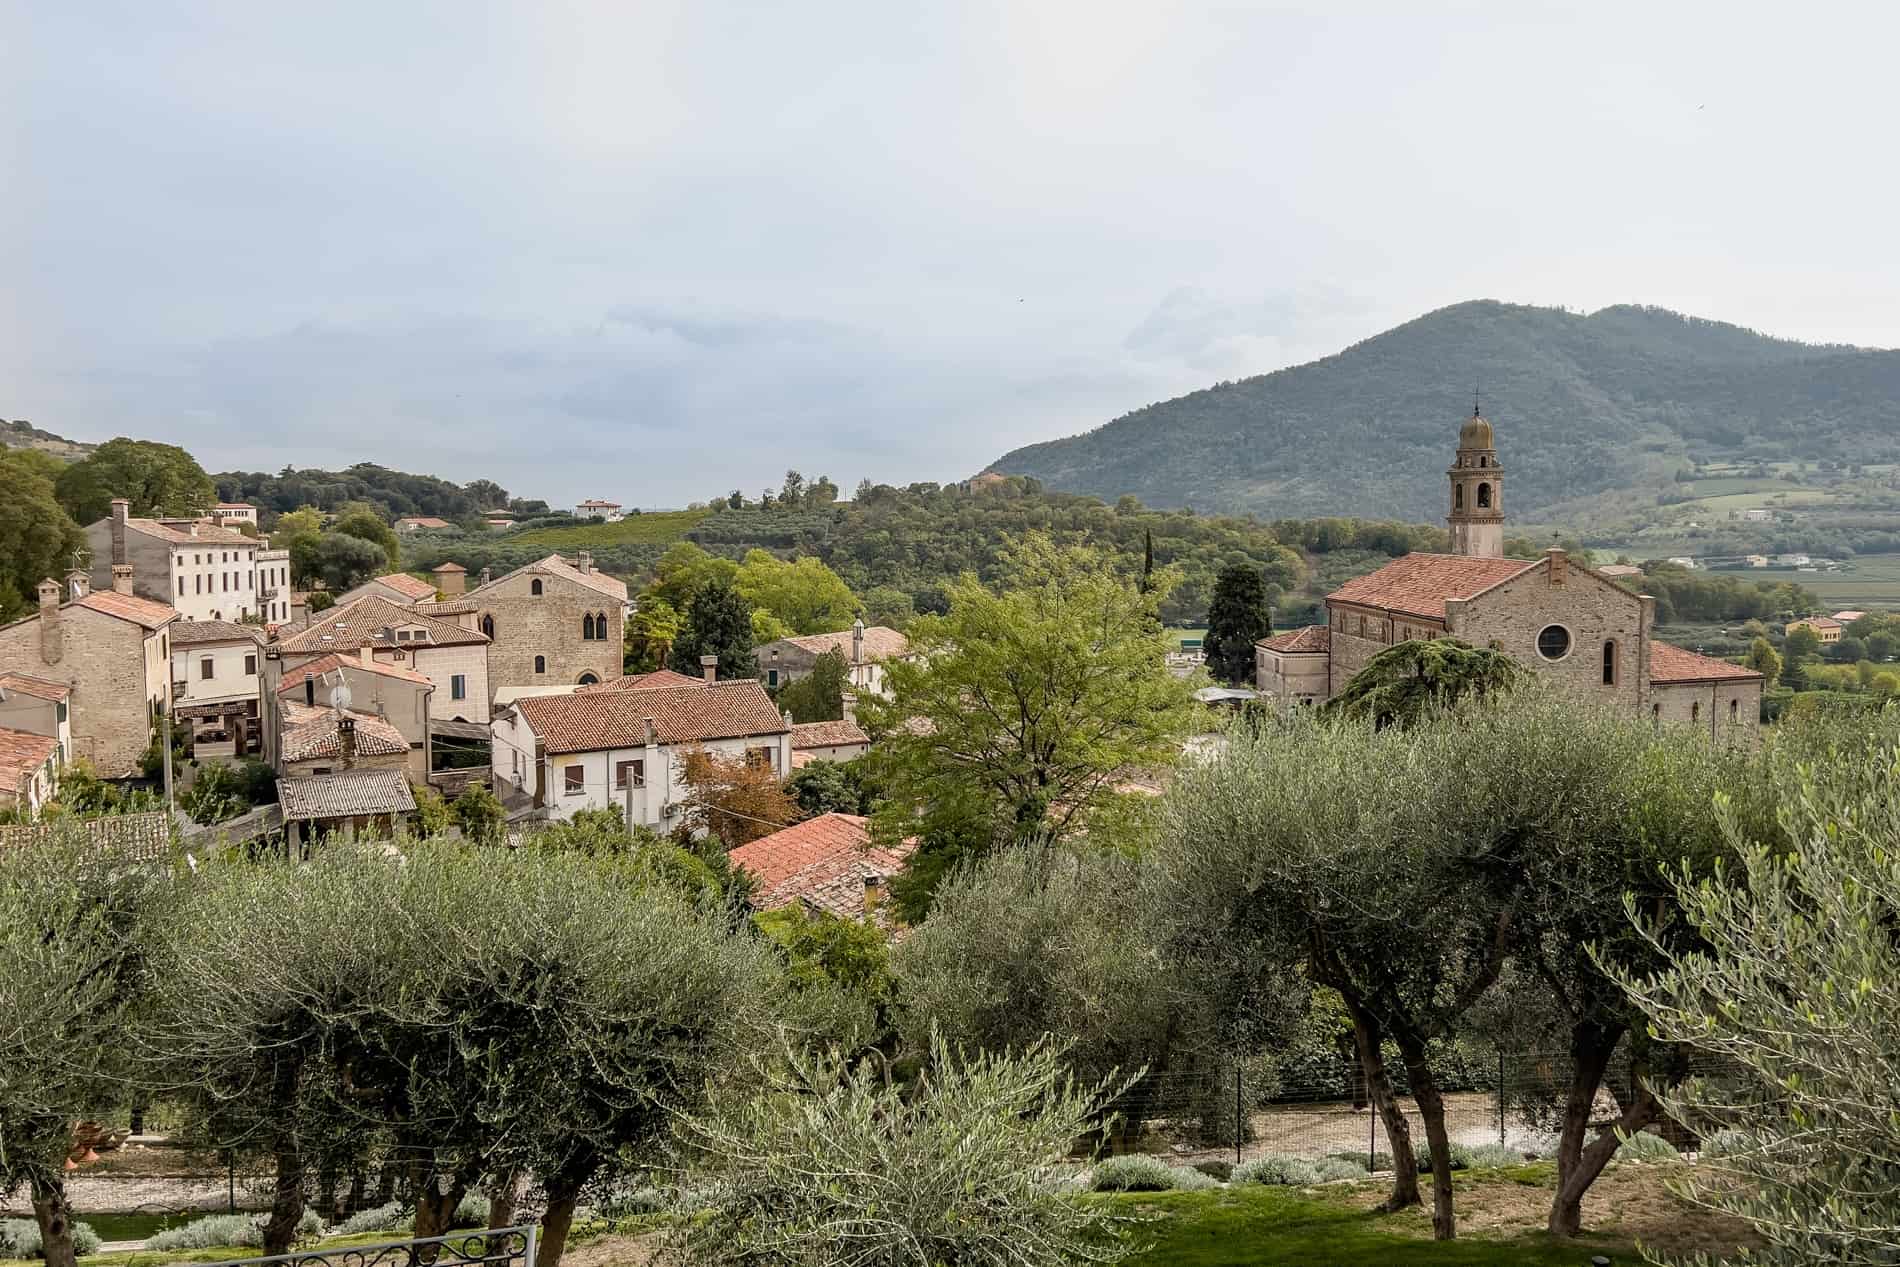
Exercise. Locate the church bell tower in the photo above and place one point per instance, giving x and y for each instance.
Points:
(1477, 492)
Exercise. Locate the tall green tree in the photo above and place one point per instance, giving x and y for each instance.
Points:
(819, 695)
(1788, 991)
(718, 623)
(359, 520)
(343, 561)
(38, 538)
(804, 594)
(1239, 616)
(159, 479)
(1765, 660)
(73, 985)
(1024, 705)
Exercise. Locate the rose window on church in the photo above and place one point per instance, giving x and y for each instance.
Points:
(1553, 642)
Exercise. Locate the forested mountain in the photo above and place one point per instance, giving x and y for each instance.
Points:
(1593, 413)
(393, 493)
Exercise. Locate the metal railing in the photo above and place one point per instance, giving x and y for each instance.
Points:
(502, 1247)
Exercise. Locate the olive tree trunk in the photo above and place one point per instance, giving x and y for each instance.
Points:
(1579, 1163)
(286, 1203)
(1431, 1110)
(55, 1218)
(1369, 1038)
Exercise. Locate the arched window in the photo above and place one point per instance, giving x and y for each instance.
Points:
(534, 587)
(1695, 712)
(600, 625)
(1484, 497)
(1609, 663)
(540, 664)
(1734, 711)
(588, 679)
(488, 626)
(1457, 496)
(587, 627)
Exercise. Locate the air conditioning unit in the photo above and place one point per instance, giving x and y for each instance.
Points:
(669, 809)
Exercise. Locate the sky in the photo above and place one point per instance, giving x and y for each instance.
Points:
(654, 251)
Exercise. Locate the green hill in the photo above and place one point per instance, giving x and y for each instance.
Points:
(21, 434)
(1596, 415)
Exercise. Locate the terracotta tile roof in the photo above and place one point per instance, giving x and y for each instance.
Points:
(189, 633)
(1306, 640)
(407, 585)
(827, 734)
(310, 733)
(1849, 617)
(208, 534)
(643, 682)
(341, 795)
(555, 565)
(880, 643)
(1669, 663)
(1419, 584)
(140, 611)
(361, 623)
(822, 862)
(1815, 622)
(293, 678)
(423, 521)
(22, 755)
(140, 837)
(37, 687)
(681, 714)
(447, 567)
(1614, 570)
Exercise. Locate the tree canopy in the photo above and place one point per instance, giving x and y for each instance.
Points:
(1238, 616)
(38, 538)
(158, 479)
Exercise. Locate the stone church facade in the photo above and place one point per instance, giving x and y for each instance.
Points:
(1551, 614)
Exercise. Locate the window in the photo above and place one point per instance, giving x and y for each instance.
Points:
(1553, 643)
(588, 679)
(600, 625)
(759, 758)
(1695, 712)
(587, 627)
(1457, 496)
(488, 626)
(1362, 626)
(204, 669)
(534, 587)
(458, 686)
(1609, 663)
(540, 664)
(574, 779)
(1484, 497)
(630, 774)
(771, 677)
(402, 635)
(197, 584)
(59, 712)
(250, 666)
(1734, 711)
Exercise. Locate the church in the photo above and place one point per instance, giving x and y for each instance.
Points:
(1551, 614)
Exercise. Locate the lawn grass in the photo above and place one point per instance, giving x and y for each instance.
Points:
(655, 528)
(1258, 1226)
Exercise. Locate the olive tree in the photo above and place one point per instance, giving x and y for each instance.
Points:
(836, 1164)
(1791, 992)
(72, 982)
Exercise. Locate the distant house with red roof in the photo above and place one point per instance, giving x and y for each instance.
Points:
(1564, 621)
(825, 864)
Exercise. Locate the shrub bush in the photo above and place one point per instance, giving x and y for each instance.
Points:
(1380, 1161)
(20, 1238)
(1493, 1155)
(1331, 1169)
(1135, 1172)
(1277, 1168)
(1644, 1146)
(394, 1217)
(1192, 1179)
(1422, 1153)
(217, 1230)
(472, 1211)
(1216, 1169)
(1724, 1144)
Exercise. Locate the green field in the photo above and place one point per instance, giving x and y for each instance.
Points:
(655, 528)
(1868, 581)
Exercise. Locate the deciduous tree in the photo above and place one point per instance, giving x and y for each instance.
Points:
(735, 800)
(819, 695)
(38, 538)
(158, 479)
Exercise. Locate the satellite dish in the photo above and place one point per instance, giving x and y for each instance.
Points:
(340, 694)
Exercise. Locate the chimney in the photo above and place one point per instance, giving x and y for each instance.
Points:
(850, 699)
(709, 667)
(857, 641)
(77, 583)
(789, 723)
(346, 741)
(873, 894)
(121, 578)
(586, 563)
(52, 634)
(1559, 565)
(653, 735)
(121, 509)
(485, 576)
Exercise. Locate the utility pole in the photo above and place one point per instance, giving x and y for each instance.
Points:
(165, 739)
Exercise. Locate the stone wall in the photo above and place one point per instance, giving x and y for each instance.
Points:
(105, 660)
(1716, 709)
(1303, 675)
(1593, 610)
(550, 625)
(440, 665)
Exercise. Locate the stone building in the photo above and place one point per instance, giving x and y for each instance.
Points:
(450, 655)
(548, 623)
(397, 587)
(113, 650)
(1557, 617)
(865, 652)
(400, 697)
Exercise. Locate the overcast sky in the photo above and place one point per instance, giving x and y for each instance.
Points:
(652, 251)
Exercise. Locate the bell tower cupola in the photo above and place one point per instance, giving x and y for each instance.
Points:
(1477, 492)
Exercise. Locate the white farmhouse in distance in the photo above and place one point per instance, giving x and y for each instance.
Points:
(593, 508)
